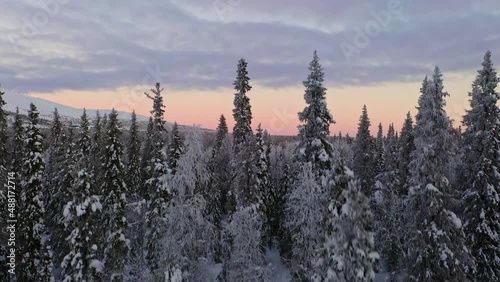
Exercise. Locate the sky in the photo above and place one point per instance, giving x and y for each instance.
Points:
(105, 54)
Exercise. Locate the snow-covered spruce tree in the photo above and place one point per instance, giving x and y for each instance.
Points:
(82, 262)
(60, 178)
(114, 190)
(308, 203)
(363, 165)
(379, 152)
(193, 164)
(217, 187)
(135, 214)
(18, 142)
(391, 149)
(262, 165)
(245, 194)
(16, 157)
(98, 148)
(244, 190)
(35, 257)
(436, 248)
(406, 148)
(158, 157)
(175, 148)
(187, 240)
(3, 188)
(350, 247)
(481, 177)
(146, 160)
(220, 169)
(306, 209)
(221, 134)
(188, 235)
(316, 119)
(55, 157)
(281, 190)
(133, 177)
(389, 208)
(157, 185)
(104, 124)
(246, 262)
(242, 113)
(62, 195)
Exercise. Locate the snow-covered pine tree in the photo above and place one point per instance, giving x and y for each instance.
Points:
(316, 119)
(175, 148)
(3, 188)
(406, 148)
(114, 189)
(436, 248)
(35, 257)
(157, 184)
(262, 165)
(244, 190)
(363, 165)
(82, 262)
(133, 177)
(481, 178)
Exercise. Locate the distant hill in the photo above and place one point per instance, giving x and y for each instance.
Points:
(70, 114)
(46, 108)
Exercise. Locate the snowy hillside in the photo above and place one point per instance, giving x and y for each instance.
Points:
(46, 108)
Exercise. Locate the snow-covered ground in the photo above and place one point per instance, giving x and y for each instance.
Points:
(279, 272)
(381, 277)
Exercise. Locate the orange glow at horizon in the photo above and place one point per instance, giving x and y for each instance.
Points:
(275, 108)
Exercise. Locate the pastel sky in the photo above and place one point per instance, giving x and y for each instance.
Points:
(104, 54)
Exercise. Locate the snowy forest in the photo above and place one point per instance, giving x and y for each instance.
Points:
(100, 201)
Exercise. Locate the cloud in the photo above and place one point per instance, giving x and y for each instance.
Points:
(108, 44)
